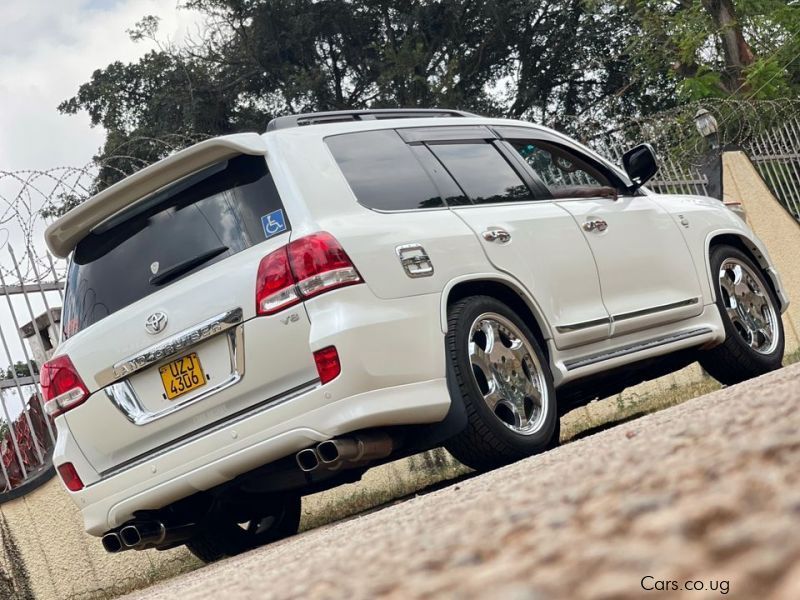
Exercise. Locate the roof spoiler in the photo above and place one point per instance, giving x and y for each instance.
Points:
(63, 235)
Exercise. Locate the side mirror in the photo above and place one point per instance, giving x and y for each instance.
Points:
(640, 164)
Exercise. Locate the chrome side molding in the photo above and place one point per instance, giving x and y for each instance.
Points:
(583, 325)
(624, 316)
(655, 309)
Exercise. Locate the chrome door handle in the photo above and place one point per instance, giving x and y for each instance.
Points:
(597, 225)
(495, 234)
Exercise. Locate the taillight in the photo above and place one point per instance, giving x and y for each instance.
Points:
(275, 286)
(305, 268)
(319, 264)
(70, 477)
(328, 366)
(62, 387)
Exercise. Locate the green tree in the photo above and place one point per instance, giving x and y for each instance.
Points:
(21, 369)
(557, 62)
(721, 48)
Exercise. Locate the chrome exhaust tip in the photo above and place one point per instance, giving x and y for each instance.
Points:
(359, 449)
(130, 536)
(112, 543)
(307, 460)
(328, 452)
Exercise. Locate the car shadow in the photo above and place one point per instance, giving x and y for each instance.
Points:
(604, 426)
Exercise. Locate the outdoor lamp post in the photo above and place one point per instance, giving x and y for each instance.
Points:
(711, 166)
(707, 127)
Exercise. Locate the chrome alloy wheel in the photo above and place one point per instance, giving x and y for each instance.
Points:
(508, 373)
(749, 306)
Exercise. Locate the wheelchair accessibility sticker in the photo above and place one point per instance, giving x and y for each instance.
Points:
(273, 223)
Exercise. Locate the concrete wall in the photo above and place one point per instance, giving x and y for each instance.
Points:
(50, 557)
(45, 554)
(774, 225)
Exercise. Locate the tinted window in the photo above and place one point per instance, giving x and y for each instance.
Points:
(194, 223)
(382, 171)
(556, 166)
(566, 173)
(448, 188)
(482, 172)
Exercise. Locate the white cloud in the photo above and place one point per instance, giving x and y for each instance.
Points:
(47, 50)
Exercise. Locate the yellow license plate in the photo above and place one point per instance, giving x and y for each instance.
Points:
(182, 375)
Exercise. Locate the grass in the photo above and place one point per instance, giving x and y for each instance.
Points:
(420, 474)
(603, 414)
(382, 486)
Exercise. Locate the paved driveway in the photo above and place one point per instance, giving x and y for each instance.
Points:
(707, 491)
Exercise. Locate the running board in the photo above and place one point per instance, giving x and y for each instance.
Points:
(585, 361)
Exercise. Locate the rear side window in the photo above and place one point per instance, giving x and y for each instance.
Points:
(482, 172)
(383, 172)
(190, 225)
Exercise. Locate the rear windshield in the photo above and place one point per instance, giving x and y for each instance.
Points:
(190, 225)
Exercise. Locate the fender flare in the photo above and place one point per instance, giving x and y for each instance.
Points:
(759, 254)
(513, 284)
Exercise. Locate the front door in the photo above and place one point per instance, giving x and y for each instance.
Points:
(646, 271)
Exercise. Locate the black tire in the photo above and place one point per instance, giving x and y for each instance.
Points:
(222, 536)
(735, 360)
(487, 442)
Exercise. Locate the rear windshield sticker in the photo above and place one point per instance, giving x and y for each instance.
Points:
(273, 223)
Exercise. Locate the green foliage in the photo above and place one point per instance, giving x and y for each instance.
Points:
(21, 369)
(573, 64)
(721, 48)
(556, 62)
(705, 83)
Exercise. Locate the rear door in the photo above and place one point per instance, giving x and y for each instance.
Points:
(522, 231)
(156, 304)
(646, 271)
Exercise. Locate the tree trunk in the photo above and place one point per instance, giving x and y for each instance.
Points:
(735, 48)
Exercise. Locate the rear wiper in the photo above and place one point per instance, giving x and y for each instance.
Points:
(185, 266)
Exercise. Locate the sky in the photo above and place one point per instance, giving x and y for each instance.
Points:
(48, 48)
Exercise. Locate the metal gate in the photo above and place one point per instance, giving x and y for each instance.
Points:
(31, 288)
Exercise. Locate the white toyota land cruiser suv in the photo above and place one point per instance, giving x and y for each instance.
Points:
(259, 317)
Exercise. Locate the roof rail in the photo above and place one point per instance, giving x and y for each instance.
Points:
(341, 116)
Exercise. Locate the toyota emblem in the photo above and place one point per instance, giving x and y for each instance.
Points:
(156, 323)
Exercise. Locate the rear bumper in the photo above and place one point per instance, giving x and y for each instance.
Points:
(249, 442)
(393, 373)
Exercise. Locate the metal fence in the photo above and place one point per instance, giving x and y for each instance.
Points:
(674, 176)
(31, 284)
(776, 155)
(768, 131)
